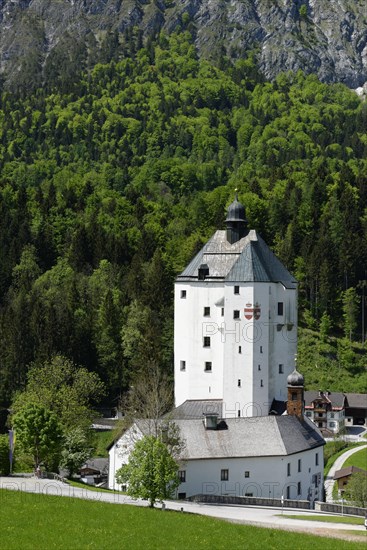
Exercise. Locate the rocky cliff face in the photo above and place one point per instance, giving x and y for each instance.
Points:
(325, 37)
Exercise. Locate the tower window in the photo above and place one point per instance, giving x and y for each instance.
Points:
(206, 311)
(236, 289)
(222, 312)
(239, 413)
(258, 367)
(281, 369)
(294, 397)
(224, 475)
(247, 473)
(280, 308)
(236, 314)
(299, 465)
(206, 341)
(239, 382)
(208, 366)
(183, 365)
(316, 459)
(299, 487)
(261, 384)
(183, 293)
(261, 349)
(239, 349)
(288, 469)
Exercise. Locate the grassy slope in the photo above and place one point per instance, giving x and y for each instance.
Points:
(336, 365)
(358, 459)
(101, 440)
(44, 522)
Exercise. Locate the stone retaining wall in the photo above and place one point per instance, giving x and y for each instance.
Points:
(339, 509)
(254, 501)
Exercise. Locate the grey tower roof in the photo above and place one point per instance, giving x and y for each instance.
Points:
(247, 260)
(236, 212)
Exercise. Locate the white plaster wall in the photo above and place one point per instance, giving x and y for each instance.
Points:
(119, 454)
(237, 366)
(268, 476)
(190, 328)
(283, 339)
(263, 347)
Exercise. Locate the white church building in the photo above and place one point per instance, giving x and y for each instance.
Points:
(238, 397)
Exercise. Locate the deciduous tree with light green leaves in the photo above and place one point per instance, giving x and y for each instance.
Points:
(356, 489)
(64, 388)
(151, 473)
(38, 433)
(76, 450)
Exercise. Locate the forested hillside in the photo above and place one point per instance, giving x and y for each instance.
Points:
(107, 190)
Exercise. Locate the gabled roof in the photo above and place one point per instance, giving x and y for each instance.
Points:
(245, 437)
(336, 399)
(96, 464)
(247, 260)
(345, 472)
(356, 400)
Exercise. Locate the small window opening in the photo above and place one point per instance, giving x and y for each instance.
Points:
(206, 343)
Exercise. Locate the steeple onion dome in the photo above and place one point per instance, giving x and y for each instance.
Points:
(236, 212)
(295, 379)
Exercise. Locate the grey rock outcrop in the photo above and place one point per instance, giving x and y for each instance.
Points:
(318, 36)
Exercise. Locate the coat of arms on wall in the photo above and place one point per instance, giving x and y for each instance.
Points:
(252, 311)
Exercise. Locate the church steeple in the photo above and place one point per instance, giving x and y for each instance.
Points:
(236, 222)
(295, 403)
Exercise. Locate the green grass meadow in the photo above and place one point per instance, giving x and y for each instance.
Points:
(358, 459)
(38, 522)
(352, 520)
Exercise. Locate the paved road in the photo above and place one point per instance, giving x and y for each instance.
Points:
(329, 480)
(264, 517)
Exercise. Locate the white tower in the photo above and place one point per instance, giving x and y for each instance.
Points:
(235, 323)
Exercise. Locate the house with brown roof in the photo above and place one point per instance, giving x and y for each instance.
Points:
(342, 476)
